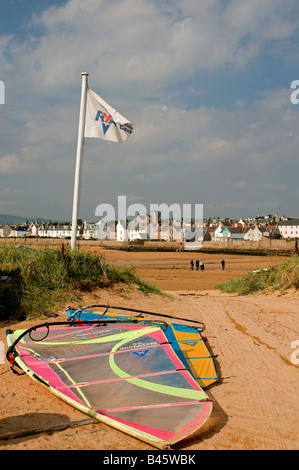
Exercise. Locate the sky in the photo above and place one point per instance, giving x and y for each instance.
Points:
(206, 85)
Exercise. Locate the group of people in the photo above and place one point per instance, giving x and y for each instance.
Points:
(199, 263)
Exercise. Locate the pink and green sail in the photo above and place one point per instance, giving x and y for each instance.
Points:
(125, 375)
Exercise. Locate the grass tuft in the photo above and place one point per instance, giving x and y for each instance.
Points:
(283, 276)
(39, 280)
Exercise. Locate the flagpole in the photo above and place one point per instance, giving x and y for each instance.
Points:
(82, 117)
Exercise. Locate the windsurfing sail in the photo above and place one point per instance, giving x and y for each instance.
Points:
(186, 340)
(125, 374)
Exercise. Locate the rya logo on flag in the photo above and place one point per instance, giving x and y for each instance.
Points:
(106, 120)
(103, 121)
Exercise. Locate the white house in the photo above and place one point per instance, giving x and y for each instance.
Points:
(105, 230)
(166, 231)
(177, 230)
(19, 231)
(138, 228)
(5, 230)
(56, 231)
(221, 233)
(253, 234)
(139, 234)
(89, 230)
(34, 230)
(121, 231)
(188, 231)
(289, 228)
(242, 223)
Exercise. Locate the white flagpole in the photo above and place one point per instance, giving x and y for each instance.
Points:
(82, 117)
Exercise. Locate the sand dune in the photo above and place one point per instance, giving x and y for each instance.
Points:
(256, 401)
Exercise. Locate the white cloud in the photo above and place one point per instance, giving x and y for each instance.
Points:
(9, 164)
(138, 42)
(139, 52)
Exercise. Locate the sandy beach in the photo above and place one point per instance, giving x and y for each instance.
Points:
(256, 400)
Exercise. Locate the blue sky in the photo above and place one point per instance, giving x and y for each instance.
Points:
(206, 85)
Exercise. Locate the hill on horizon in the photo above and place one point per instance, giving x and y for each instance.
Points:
(16, 219)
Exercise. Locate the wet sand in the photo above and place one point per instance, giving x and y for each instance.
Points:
(171, 271)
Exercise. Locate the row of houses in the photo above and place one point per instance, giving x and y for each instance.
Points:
(50, 230)
(7, 230)
(145, 227)
(239, 232)
(284, 228)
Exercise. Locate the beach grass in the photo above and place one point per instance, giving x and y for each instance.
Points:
(282, 277)
(38, 281)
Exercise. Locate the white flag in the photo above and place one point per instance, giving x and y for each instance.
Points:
(103, 121)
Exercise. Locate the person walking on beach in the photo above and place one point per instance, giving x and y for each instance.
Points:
(192, 264)
(223, 264)
(197, 264)
(202, 266)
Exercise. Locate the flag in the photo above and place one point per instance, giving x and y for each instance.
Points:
(103, 121)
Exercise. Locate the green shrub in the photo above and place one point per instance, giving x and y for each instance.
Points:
(38, 280)
(281, 277)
